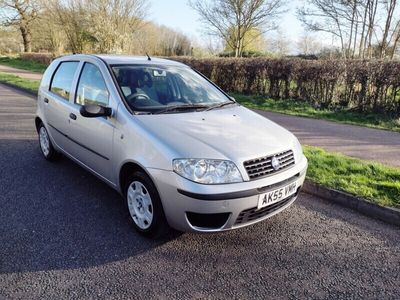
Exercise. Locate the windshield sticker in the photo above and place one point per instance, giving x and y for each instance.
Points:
(159, 73)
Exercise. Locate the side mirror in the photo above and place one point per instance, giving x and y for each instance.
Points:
(94, 111)
(232, 98)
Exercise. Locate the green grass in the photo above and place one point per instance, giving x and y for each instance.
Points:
(303, 109)
(378, 183)
(27, 84)
(20, 63)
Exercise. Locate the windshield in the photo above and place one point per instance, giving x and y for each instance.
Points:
(166, 88)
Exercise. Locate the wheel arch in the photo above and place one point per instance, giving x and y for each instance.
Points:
(127, 168)
(38, 121)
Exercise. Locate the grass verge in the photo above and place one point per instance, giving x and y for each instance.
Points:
(27, 84)
(303, 109)
(20, 63)
(373, 181)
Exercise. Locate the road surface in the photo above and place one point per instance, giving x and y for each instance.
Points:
(21, 73)
(64, 234)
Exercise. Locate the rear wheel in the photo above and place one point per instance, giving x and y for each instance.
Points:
(144, 206)
(46, 146)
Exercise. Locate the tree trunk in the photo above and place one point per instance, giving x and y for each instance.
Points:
(26, 38)
(237, 48)
(396, 41)
(361, 51)
(371, 24)
(384, 43)
(238, 40)
(350, 42)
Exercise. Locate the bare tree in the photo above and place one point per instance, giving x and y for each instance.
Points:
(21, 14)
(365, 28)
(47, 35)
(308, 45)
(390, 6)
(326, 16)
(100, 26)
(161, 41)
(123, 18)
(9, 42)
(231, 20)
(214, 46)
(71, 16)
(396, 39)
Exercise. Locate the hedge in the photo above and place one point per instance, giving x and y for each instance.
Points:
(43, 58)
(364, 86)
(359, 85)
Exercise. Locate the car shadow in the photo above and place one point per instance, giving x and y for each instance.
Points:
(58, 216)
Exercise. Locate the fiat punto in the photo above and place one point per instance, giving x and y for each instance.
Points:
(182, 152)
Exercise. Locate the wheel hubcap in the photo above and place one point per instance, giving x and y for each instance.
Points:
(44, 141)
(140, 205)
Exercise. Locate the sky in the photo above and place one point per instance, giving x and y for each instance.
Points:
(178, 15)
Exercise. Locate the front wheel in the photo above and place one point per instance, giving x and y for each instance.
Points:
(46, 146)
(145, 206)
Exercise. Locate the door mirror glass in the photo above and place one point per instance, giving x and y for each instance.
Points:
(94, 111)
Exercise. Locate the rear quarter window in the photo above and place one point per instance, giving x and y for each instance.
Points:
(48, 74)
(63, 77)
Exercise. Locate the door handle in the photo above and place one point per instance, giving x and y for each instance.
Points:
(72, 116)
(46, 100)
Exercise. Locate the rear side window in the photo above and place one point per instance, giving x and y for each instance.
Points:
(62, 79)
(91, 88)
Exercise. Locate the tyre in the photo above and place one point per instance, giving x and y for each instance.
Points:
(46, 147)
(144, 206)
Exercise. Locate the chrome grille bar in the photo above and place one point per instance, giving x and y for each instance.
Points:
(262, 166)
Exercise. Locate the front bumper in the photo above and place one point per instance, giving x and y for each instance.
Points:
(190, 206)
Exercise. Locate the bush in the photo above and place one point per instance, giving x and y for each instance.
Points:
(244, 54)
(364, 86)
(43, 58)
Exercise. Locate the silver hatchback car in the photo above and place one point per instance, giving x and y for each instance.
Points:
(182, 152)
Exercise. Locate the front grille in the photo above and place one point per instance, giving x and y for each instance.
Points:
(262, 167)
(252, 214)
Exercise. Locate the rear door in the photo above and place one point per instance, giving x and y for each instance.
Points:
(92, 137)
(57, 105)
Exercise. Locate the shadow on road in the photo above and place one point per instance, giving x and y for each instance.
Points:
(58, 216)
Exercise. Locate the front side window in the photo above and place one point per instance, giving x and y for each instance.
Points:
(91, 88)
(155, 88)
(63, 77)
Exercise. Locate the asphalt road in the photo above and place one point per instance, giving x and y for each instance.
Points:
(65, 234)
(21, 73)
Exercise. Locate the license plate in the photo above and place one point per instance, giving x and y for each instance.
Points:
(277, 195)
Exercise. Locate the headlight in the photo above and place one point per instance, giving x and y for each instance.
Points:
(298, 150)
(207, 171)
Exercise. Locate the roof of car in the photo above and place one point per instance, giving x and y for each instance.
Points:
(126, 59)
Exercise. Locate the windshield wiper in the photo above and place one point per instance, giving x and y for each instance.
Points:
(181, 107)
(220, 105)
